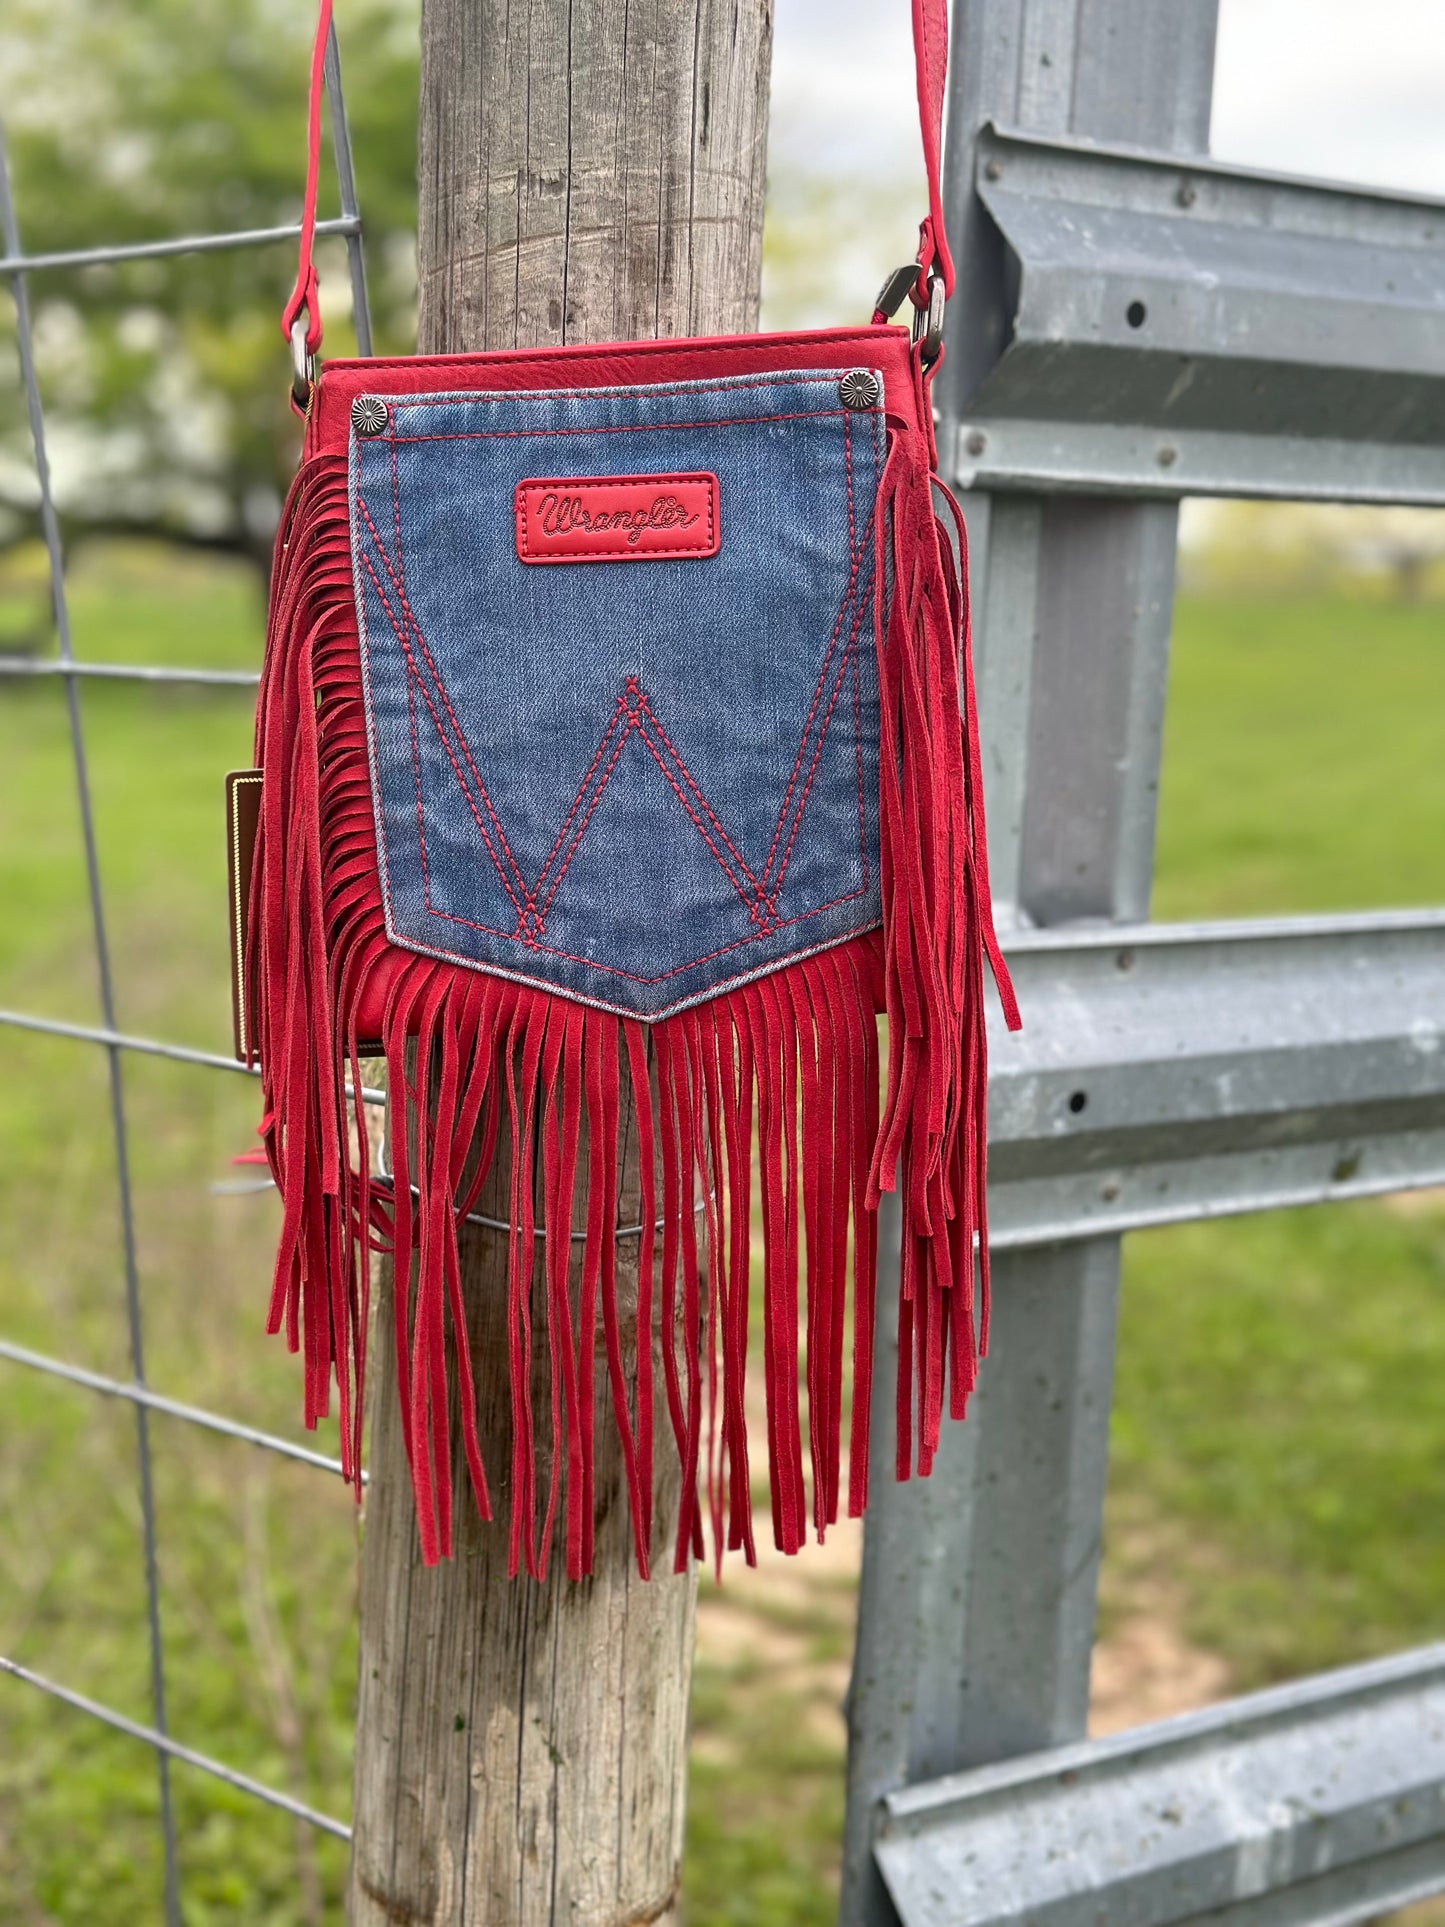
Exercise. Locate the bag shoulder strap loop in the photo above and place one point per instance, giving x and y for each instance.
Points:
(303, 298)
(930, 56)
(935, 263)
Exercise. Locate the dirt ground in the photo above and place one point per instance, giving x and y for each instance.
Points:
(1145, 1669)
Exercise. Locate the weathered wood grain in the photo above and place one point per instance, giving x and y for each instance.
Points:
(591, 170)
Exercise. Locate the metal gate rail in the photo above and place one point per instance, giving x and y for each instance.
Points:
(1135, 322)
(1316, 1801)
(1175, 1071)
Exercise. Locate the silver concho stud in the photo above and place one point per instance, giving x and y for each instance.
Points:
(860, 388)
(368, 415)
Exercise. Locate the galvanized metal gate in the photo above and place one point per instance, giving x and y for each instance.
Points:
(1134, 323)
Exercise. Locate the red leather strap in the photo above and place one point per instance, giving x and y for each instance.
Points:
(303, 295)
(930, 52)
(930, 55)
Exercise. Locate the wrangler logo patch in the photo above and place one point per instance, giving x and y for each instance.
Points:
(617, 518)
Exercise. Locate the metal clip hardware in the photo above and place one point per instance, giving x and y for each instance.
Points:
(303, 363)
(928, 321)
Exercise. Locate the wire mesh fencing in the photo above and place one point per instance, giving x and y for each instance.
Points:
(116, 1045)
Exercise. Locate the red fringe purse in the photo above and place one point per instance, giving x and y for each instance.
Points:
(617, 741)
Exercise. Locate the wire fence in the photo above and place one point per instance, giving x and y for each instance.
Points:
(16, 267)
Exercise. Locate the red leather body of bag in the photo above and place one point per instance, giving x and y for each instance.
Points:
(740, 540)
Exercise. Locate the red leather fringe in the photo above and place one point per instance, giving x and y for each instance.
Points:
(797, 1050)
(938, 931)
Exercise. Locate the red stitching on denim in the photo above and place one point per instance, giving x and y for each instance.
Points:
(531, 942)
(366, 563)
(520, 934)
(458, 398)
(400, 586)
(523, 910)
(420, 818)
(749, 903)
(624, 428)
(817, 755)
(855, 556)
(582, 789)
(695, 787)
(858, 752)
(466, 748)
(858, 695)
(539, 917)
(764, 907)
(591, 810)
(615, 970)
(863, 602)
(766, 901)
(411, 711)
(414, 674)
(761, 909)
(396, 508)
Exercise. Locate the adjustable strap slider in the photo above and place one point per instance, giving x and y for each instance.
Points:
(894, 292)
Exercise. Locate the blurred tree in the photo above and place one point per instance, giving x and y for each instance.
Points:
(829, 240)
(165, 381)
(1314, 547)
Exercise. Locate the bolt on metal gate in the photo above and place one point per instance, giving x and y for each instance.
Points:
(1136, 322)
(15, 267)
(1124, 305)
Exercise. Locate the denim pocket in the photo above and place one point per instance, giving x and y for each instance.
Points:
(650, 771)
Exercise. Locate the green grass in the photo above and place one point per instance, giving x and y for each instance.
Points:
(1278, 1431)
(1303, 765)
(765, 1805)
(1277, 1434)
(256, 1556)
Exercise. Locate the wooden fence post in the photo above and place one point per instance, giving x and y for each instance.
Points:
(590, 170)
